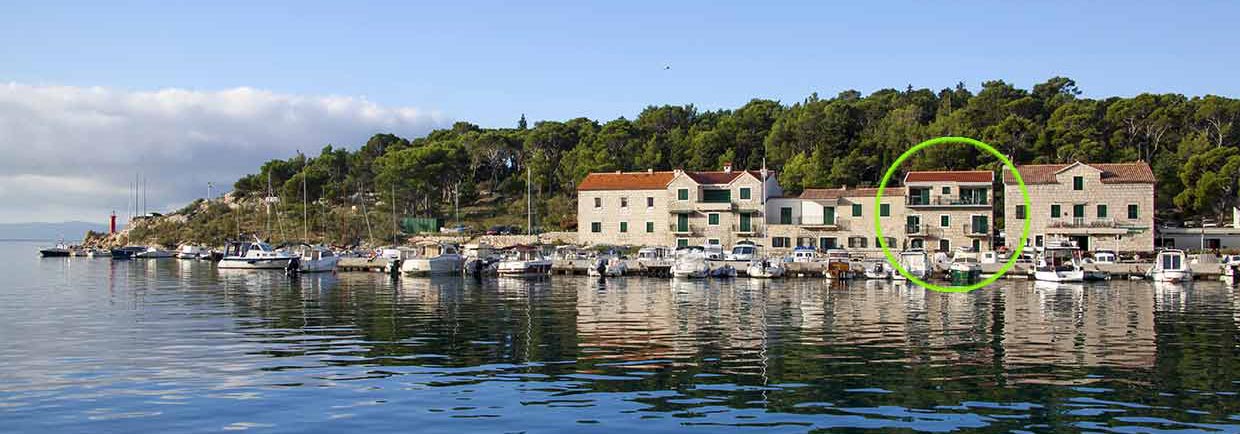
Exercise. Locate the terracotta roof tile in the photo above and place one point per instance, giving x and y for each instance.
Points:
(720, 177)
(1112, 173)
(950, 176)
(836, 193)
(626, 181)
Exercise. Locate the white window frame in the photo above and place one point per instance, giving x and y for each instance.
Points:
(949, 220)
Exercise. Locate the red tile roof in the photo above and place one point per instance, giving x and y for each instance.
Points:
(836, 193)
(1112, 173)
(950, 176)
(722, 177)
(626, 181)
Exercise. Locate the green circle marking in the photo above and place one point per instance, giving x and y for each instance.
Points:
(878, 227)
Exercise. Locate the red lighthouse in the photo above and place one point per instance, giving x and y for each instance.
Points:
(112, 226)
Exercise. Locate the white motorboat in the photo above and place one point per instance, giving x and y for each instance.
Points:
(254, 255)
(315, 259)
(608, 265)
(839, 265)
(98, 253)
(724, 271)
(655, 260)
(479, 259)
(965, 267)
(61, 250)
(1060, 261)
(742, 251)
(1171, 266)
(1105, 257)
(804, 255)
(690, 263)
(877, 269)
(432, 258)
(189, 251)
(154, 253)
(914, 261)
(524, 260)
(766, 268)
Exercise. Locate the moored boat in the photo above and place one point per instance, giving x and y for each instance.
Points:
(965, 267)
(839, 265)
(915, 262)
(254, 255)
(766, 268)
(877, 269)
(153, 253)
(61, 250)
(1060, 261)
(1171, 265)
(432, 258)
(524, 260)
(690, 263)
(189, 251)
(315, 259)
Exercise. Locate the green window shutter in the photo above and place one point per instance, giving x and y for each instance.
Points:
(828, 215)
(1020, 212)
(716, 196)
(1132, 212)
(884, 210)
(745, 193)
(745, 223)
(856, 210)
(1055, 211)
(596, 227)
(1102, 211)
(682, 223)
(947, 190)
(713, 219)
(1078, 211)
(681, 242)
(649, 227)
(624, 227)
(945, 220)
(1078, 183)
(682, 194)
(785, 216)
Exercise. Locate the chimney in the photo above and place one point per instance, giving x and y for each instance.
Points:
(727, 167)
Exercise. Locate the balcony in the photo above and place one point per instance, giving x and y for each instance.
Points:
(713, 206)
(747, 206)
(939, 201)
(1084, 226)
(814, 223)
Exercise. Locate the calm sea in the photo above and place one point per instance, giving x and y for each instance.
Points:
(92, 345)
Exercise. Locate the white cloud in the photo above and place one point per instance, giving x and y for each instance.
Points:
(72, 152)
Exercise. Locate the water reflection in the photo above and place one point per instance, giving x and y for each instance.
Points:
(163, 345)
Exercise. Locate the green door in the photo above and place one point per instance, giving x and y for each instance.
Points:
(745, 225)
(785, 216)
(828, 215)
(682, 223)
(980, 224)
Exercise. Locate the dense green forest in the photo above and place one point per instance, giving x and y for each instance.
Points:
(849, 139)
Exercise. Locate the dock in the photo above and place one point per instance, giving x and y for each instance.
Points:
(376, 265)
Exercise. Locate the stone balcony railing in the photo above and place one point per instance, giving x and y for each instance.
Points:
(914, 201)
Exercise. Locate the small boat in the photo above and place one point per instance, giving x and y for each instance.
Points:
(723, 272)
(1060, 261)
(254, 255)
(153, 253)
(742, 251)
(1171, 266)
(523, 260)
(655, 260)
(877, 269)
(315, 259)
(479, 259)
(61, 250)
(1105, 257)
(432, 258)
(189, 251)
(690, 263)
(839, 265)
(914, 261)
(608, 265)
(98, 253)
(766, 268)
(965, 267)
(127, 252)
(804, 255)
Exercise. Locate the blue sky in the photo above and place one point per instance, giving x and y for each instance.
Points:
(488, 62)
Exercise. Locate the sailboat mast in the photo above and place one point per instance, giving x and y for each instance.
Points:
(305, 203)
(395, 224)
(529, 202)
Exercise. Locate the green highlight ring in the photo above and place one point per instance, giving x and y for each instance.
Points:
(878, 227)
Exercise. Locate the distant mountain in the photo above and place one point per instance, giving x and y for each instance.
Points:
(48, 231)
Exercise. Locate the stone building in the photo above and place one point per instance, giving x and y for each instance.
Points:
(674, 208)
(949, 209)
(827, 218)
(1100, 206)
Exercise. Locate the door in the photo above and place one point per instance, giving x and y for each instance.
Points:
(745, 224)
(785, 216)
(913, 224)
(682, 223)
(828, 215)
(1082, 242)
(979, 224)
(977, 245)
(827, 243)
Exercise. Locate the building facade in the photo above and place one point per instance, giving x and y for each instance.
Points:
(1100, 206)
(950, 209)
(674, 208)
(829, 218)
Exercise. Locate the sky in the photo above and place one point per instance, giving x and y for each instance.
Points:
(190, 92)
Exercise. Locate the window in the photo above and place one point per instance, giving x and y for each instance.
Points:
(856, 210)
(785, 215)
(712, 219)
(1078, 183)
(1132, 211)
(716, 196)
(828, 243)
(596, 227)
(649, 201)
(1020, 212)
(745, 193)
(1037, 241)
(746, 224)
(779, 242)
(1054, 210)
(624, 202)
(682, 242)
(1078, 211)
(598, 202)
(857, 242)
(947, 190)
(977, 245)
(945, 221)
(979, 224)
(682, 194)
(649, 227)
(919, 196)
(884, 210)
(713, 241)
(682, 223)
(945, 246)
(1102, 210)
(624, 227)
(917, 243)
(828, 215)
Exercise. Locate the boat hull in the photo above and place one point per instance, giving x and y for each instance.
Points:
(325, 265)
(1173, 276)
(254, 263)
(54, 253)
(432, 266)
(1060, 276)
(524, 268)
